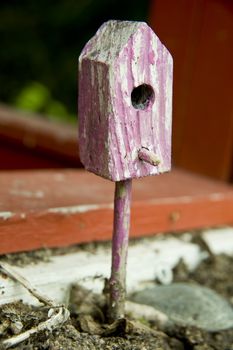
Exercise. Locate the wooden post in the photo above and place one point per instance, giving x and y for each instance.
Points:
(125, 99)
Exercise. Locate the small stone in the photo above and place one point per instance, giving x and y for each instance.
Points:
(189, 305)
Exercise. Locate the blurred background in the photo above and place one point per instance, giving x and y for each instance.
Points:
(40, 45)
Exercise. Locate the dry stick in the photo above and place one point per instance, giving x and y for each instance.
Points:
(122, 202)
(55, 320)
(16, 276)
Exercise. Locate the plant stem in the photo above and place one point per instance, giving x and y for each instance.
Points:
(122, 203)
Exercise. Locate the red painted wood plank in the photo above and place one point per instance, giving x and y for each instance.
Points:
(32, 141)
(53, 208)
(199, 35)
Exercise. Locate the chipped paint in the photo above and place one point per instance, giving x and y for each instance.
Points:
(27, 194)
(214, 197)
(83, 268)
(174, 200)
(220, 240)
(79, 208)
(120, 57)
(5, 215)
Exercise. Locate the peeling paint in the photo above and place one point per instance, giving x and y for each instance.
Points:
(87, 266)
(173, 200)
(79, 208)
(220, 240)
(5, 215)
(215, 197)
(28, 194)
(119, 59)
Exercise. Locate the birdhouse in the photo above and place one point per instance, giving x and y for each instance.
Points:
(125, 102)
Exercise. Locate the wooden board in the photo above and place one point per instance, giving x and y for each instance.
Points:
(199, 35)
(91, 269)
(29, 141)
(50, 208)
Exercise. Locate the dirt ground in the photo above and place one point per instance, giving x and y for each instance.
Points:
(88, 329)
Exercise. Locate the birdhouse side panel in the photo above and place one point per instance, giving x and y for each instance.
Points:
(141, 121)
(93, 111)
(162, 108)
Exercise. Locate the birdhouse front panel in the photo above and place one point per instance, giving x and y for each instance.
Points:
(127, 75)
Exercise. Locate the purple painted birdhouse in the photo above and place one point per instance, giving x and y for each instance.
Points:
(125, 102)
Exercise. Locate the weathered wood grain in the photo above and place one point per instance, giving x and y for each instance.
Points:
(125, 94)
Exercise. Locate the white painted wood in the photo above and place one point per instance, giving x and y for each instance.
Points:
(4, 215)
(220, 240)
(148, 259)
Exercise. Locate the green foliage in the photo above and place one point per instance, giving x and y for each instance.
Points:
(56, 108)
(36, 97)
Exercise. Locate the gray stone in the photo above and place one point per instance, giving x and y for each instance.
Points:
(187, 304)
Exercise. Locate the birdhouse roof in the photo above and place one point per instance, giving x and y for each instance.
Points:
(110, 39)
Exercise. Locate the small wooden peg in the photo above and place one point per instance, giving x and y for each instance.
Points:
(148, 157)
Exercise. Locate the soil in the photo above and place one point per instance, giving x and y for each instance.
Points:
(88, 328)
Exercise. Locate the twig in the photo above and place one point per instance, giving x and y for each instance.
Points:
(120, 239)
(11, 272)
(56, 317)
(53, 322)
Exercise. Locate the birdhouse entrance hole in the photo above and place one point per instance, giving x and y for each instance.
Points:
(142, 96)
